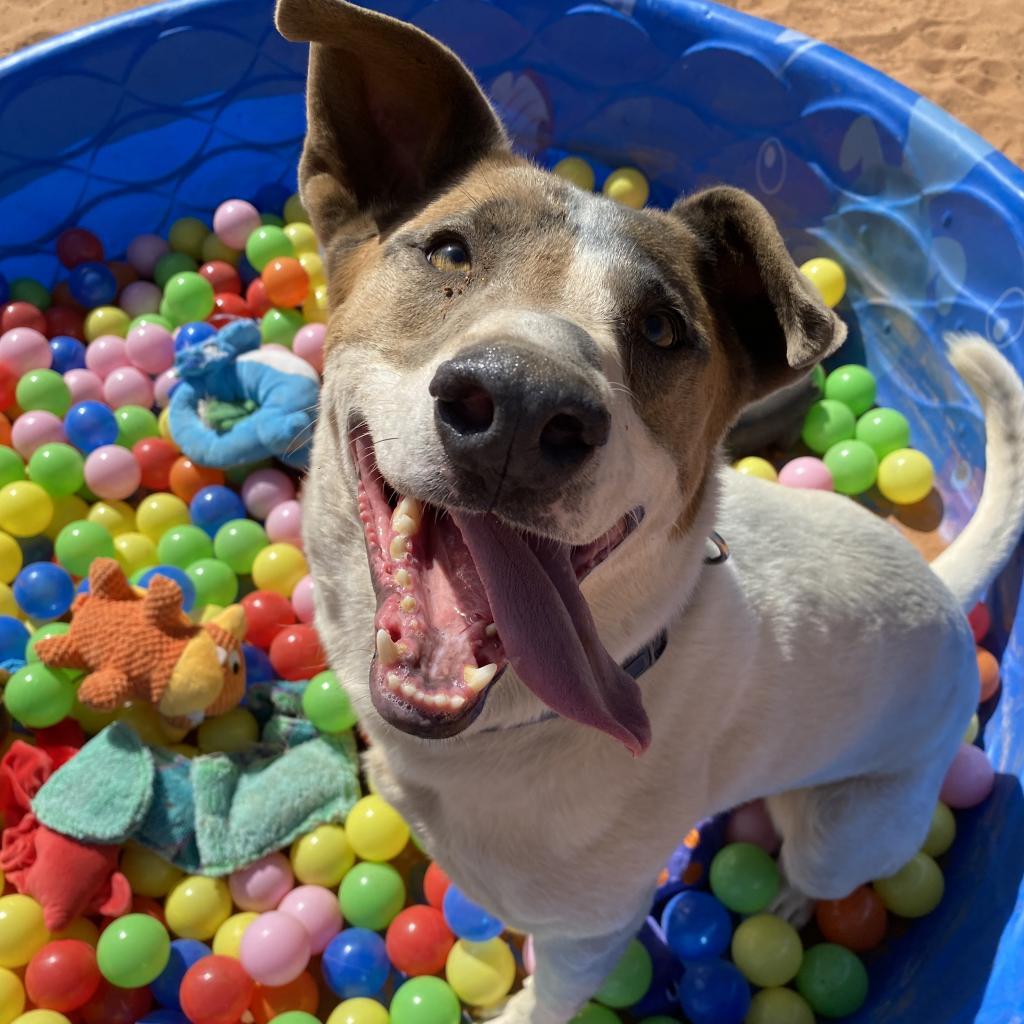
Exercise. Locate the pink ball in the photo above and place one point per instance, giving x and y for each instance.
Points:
(316, 908)
(749, 823)
(265, 489)
(106, 354)
(128, 386)
(285, 522)
(140, 297)
(143, 253)
(151, 348)
(112, 472)
(529, 962)
(84, 386)
(262, 885)
(806, 472)
(302, 599)
(234, 221)
(163, 385)
(969, 780)
(31, 430)
(275, 948)
(309, 343)
(23, 349)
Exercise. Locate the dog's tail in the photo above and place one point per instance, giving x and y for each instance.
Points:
(985, 544)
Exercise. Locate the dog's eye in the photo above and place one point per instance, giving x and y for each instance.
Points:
(661, 330)
(450, 254)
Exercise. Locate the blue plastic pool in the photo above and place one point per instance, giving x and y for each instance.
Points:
(127, 125)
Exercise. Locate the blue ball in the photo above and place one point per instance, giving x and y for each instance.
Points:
(90, 425)
(5, 290)
(92, 284)
(165, 1017)
(13, 639)
(467, 919)
(214, 506)
(184, 953)
(258, 668)
(44, 590)
(68, 353)
(355, 963)
(179, 576)
(696, 926)
(193, 334)
(36, 549)
(271, 197)
(714, 993)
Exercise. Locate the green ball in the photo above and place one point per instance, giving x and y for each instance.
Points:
(27, 289)
(172, 263)
(151, 318)
(184, 545)
(238, 543)
(629, 981)
(884, 431)
(50, 629)
(187, 235)
(12, 466)
(853, 465)
(326, 705)
(833, 980)
(272, 219)
(133, 951)
(43, 390)
(827, 422)
(295, 1017)
(58, 468)
(133, 424)
(914, 891)
(214, 581)
(267, 243)
(80, 543)
(278, 326)
(854, 386)
(371, 895)
(595, 1013)
(189, 297)
(425, 1000)
(767, 950)
(744, 878)
(38, 696)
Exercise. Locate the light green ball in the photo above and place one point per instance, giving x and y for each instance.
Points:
(188, 297)
(134, 423)
(183, 546)
(43, 390)
(371, 895)
(744, 878)
(214, 581)
(12, 466)
(827, 423)
(767, 950)
(58, 468)
(168, 265)
(38, 696)
(278, 326)
(133, 951)
(80, 543)
(884, 431)
(631, 978)
(238, 542)
(854, 386)
(326, 705)
(853, 465)
(833, 980)
(425, 1000)
(267, 243)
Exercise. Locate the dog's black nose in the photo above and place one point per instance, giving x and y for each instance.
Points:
(505, 411)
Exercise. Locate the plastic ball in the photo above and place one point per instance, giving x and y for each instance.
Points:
(44, 590)
(972, 730)
(323, 856)
(57, 468)
(84, 386)
(234, 221)
(148, 874)
(969, 780)
(980, 619)
(308, 343)
(285, 281)
(827, 422)
(806, 472)
(266, 614)
(13, 639)
(355, 963)
(753, 465)
(112, 472)
(595, 1013)
(127, 386)
(11, 558)
(296, 653)
(184, 953)
(80, 543)
(238, 542)
(767, 950)
(425, 1001)
(150, 347)
(228, 307)
(43, 390)
(92, 284)
(828, 277)
(12, 996)
(42, 1017)
(139, 298)
(197, 906)
(227, 940)
(375, 830)
(278, 567)
(32, 430)
(133, 951)
(883, 430)
(750, 823)
(27, 289)
(858, 921)
(419, 941)
(183, 546)
(12, 466)
(155, 457)
(988, 671)
(371, 895)
(779, 1006)
(78, 245)
(230, 733)
(257, 298)
(317, 910)
(714, 992)
(265, 244)
(481, 973)
(359, 1011)
(21, 314)
(188, 296)
(294, 1003)
(696, 925)
(144, 251)
(265, 489)
(215, 583)
(158, 513)
(22, 930)
(303, 599)
(113, 1005)
(468, 920)
(628, 186)
(941, 832)
(630, 978)
(222, 275)
(832, 980)
(905, 476)
(215, 990)
(576, 170)
(279, 326)
(275, 949)
(24, 349)
(213, 506)
(326, 705)
(106, 320)
(67, 354)
(263, 884)
(852, 465)
(744, 878)
(915, 890)
(90, 426)
(105, 355)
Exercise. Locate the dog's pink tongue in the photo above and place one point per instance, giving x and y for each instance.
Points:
(548, 632)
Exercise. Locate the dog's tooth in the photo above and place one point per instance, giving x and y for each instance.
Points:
(398, 547)
(407, 604)
(458, 702)
(412, 508)
(491, 629)
(402, 647)
(387, 652)
(403, 577)
(478, 678)
(440, 700)
(394, 682)
(408, 689)
(404, 525)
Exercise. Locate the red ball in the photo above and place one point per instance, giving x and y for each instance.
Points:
(266, 614)
(981, 621)
(418, 941)
(858, 922)
(228, 307)
(155, 456)
(215, 990)
(296, 653)
(8, 383)
(112, 1005)
(149, 906)
(63, 975)
(65, 320)
(435, 885)
(76, 245)
(256, 296)
(60, 295)
(22, 314)
(222, 276)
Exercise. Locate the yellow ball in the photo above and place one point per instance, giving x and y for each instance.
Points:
(25, 509)
(234, 731)
(22, 931)
(67, 509)
(905, 476)
(115, 516)
(323, 856)
(148, 874)
(163, 424)
(576, 170)
(376, 830)
(915, 890)
(42, 1017)
(8, 606)
(214, 249)
(196, 907)
(12, 996)
(11, 558)
(106, 320)
(294, 212)
(145, 720)
(359, 1011)
(314, 309)
(828, 277)
(779, 1006)
(941, 832)
(187, 235)
(279, 567)
(753, 465)
(81, 929)
(628, 186)
(228, 940)
(159, 513)
(134, 551)
(973, 728)
(302, 237)
(481, 973)
(313, 265)
(767, 950)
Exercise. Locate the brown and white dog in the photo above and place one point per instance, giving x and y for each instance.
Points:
(515, 475)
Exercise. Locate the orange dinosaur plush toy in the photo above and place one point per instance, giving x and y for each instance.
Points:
(141, 646)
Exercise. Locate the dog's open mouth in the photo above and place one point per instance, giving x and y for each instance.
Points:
(460, 596)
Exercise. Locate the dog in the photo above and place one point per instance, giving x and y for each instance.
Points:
(517, 515)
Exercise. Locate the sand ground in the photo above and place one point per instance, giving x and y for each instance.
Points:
(966, 55)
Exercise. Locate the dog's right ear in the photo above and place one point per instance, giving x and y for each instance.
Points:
(393, 117)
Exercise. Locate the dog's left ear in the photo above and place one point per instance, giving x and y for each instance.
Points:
(764, 306)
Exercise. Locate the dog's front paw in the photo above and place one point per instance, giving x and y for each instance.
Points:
(792, 905)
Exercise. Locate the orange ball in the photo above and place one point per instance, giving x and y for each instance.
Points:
(187, 478)
(857, 922)
(300, 994)
(286, 282)
(988, 669)
(5, 430)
